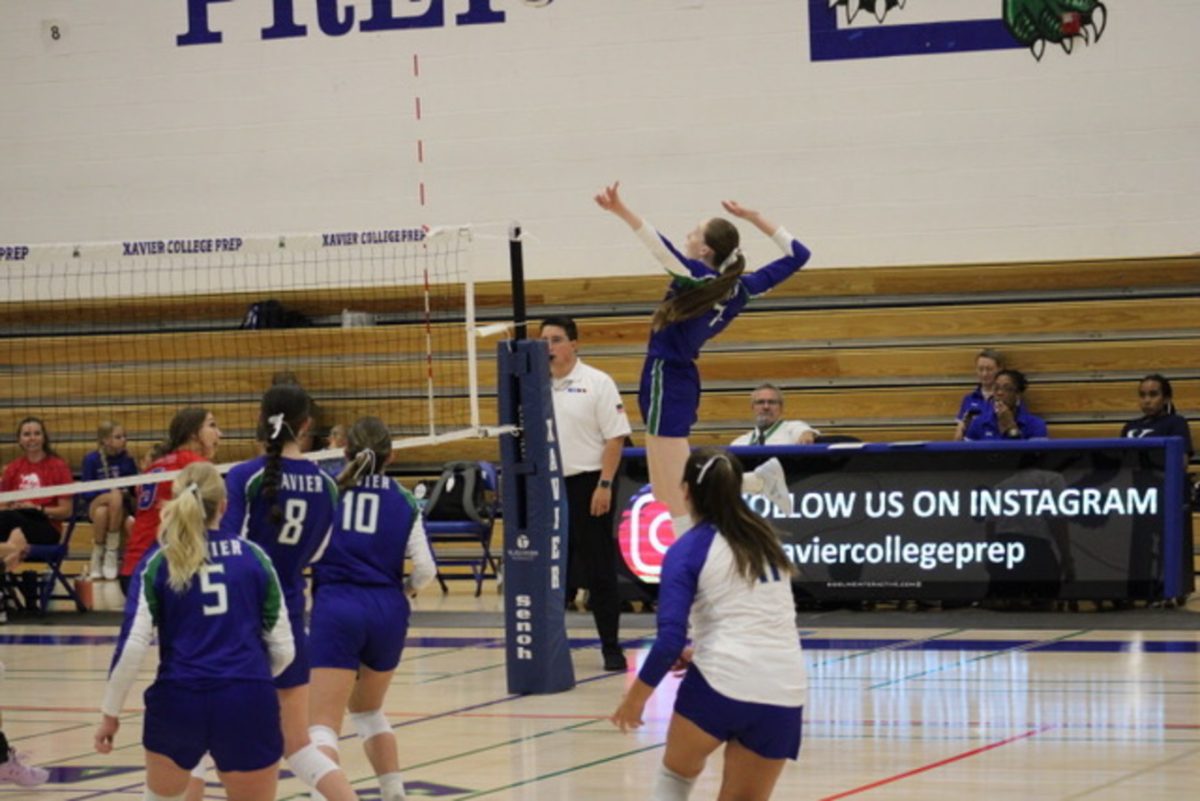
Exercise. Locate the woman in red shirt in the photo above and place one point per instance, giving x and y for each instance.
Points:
(37, 521)
(193, 437)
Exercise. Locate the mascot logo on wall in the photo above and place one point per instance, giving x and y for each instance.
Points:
(851, 29)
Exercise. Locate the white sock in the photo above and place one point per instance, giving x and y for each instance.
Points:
(681, 524)
(391, 787)
(670, 786)
(752, 484)
(112, 540)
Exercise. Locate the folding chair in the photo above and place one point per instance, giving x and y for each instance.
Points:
(53, 557)
(463, 535)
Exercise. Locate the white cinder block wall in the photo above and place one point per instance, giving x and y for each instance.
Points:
(115, 132)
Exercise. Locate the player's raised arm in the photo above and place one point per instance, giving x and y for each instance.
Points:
(751, 216)
(610, 200)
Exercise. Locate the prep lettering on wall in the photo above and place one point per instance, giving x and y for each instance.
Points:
(335, 18)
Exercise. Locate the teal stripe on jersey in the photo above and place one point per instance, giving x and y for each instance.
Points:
(149, 576)
(254, 485)
(408, 496)
(656, 397)
(331, 488)
(274, 599)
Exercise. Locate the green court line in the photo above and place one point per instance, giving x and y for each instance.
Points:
(553, 774)
(75, 727)
(460, 755)
(137, 741)
(885, 648)
(442, 652)
(444, 676)
(980, 658)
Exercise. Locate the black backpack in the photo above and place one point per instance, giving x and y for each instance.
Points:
(460, 493)
(272, 314)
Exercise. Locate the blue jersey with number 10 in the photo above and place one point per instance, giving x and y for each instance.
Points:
(308, 498)
(371, 535)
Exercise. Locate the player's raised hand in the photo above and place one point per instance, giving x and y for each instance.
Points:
(609, 198)
(749, 215)
(738, 210)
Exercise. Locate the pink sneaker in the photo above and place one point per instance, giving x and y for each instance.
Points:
(17, 772)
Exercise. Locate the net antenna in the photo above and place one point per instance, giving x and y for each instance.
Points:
(374, 322)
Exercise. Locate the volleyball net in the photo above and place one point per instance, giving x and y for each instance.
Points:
(377, 322)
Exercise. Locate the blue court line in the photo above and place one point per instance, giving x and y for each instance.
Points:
(988, 654)
(810, 644)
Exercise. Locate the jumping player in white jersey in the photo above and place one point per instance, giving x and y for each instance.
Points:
(286, 504)
(223, 632)
(700, 303)
(360, 609)
(745, 684)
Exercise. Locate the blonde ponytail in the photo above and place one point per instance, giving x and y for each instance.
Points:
(197, 495)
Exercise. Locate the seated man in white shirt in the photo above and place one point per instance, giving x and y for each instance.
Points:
(769, 426)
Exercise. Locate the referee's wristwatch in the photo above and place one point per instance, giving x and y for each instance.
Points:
(604, 483)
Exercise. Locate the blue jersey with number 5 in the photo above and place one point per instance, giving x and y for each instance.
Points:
(215, 628)
(308, 498)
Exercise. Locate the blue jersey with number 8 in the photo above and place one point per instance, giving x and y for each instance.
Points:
(308, 498)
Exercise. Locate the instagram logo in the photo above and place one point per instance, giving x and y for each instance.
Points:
(644, 535)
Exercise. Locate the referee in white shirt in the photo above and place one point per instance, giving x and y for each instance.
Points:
(769, 426)
(592, 427)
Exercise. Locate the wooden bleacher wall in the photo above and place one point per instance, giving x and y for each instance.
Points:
(882, 354)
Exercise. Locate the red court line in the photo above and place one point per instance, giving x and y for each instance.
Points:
(940, 763)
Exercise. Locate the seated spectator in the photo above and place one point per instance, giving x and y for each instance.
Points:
(988, 364)
(1005, 415)
(192, 437)
(37, 521)
(111, 512)
(1159, 418)
(766, 402)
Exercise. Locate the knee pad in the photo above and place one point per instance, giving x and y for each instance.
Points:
(670, 786)
(368, 724)
(323, 736)
(310, 765)
(150, 795)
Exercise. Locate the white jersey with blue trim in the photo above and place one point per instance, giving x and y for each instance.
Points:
(743, 632)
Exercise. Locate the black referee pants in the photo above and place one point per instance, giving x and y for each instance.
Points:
(592, 551)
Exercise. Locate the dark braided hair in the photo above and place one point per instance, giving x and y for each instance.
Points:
(714, 480)
(368, 446)
(293, 403)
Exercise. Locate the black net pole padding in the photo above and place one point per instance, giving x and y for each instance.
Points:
(516, 260)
